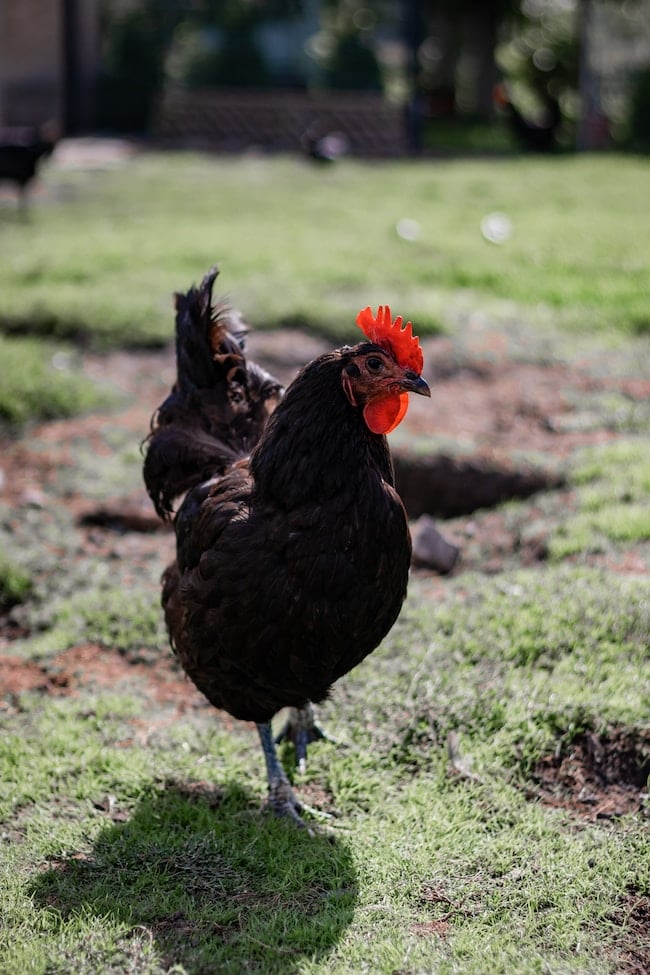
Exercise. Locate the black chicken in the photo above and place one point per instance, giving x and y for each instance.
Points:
(293, 547)
(21, 150)
(534, 135)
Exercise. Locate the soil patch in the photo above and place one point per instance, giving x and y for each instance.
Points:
(598, 776)
(19, 676)
(633, 918)
(90, 666)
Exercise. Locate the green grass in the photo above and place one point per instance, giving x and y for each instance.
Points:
(303, 244)
(463, 138)
(15, 583)
(102, 252)
(40, 381)
(133, 838)
(611, 502)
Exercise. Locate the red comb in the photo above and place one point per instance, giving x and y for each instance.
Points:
(401, 342)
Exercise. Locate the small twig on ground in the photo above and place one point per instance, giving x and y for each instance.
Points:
(459, 764)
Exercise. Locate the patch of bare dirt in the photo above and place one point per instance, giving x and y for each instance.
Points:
(90, 666)
(633, 919)
(499, 408)
(20, 675)
(598, 776)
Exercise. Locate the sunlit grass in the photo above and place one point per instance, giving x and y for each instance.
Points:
(611, 500)
(101, 253)
(309, 244)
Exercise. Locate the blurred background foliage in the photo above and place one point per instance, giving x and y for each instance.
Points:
(561, 64)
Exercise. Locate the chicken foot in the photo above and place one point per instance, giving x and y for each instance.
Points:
(301, 729)
(282, 799)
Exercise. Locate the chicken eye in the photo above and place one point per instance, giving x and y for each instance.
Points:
(374, 364)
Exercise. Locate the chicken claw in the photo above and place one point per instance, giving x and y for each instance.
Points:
(282, 799)
(301, 729)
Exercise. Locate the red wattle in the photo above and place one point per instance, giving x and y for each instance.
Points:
(383, 415)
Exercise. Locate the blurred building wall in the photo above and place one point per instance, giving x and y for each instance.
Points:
(48, 61)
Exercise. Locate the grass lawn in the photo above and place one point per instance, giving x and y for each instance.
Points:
(102, 251)
(490, 795)
(309, 244)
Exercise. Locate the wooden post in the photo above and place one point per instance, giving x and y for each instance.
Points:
(586, 135)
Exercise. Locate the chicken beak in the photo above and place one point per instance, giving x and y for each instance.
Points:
(413, 383)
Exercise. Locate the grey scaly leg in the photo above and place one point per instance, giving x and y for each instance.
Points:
(282, 798)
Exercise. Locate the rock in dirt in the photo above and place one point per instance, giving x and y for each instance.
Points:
(430, 548)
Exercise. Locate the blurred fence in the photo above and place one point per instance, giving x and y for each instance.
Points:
(279, 120)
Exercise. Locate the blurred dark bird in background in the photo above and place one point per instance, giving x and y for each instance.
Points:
(324, 147)
(22, 149)
(533, 135)
(293, 546)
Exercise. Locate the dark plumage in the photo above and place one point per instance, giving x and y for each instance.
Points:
(533, 135)
(21, 150)
(293, 547)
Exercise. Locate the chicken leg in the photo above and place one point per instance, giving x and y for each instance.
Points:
(282, 799)
(301, 729)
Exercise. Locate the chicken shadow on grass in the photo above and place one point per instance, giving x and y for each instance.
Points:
(216, 884)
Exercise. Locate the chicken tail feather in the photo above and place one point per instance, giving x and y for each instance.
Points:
(218, 406)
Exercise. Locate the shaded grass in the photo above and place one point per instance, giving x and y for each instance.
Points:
(15, 583)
